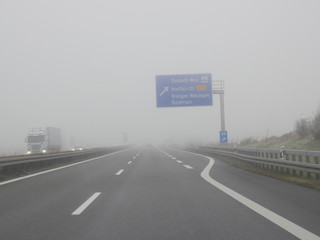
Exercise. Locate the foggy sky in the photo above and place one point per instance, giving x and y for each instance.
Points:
(89, 67)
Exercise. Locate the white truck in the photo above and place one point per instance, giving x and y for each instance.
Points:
(43, 140)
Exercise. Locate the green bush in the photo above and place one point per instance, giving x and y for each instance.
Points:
(302, 127)
(315, 126)
(248, 141)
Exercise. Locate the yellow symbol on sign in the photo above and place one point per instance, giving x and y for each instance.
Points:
(202, 88)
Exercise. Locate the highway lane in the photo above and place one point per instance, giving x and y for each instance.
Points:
(139, 193)
(39, 207)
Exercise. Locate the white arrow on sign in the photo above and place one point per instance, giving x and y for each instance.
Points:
(166, 89)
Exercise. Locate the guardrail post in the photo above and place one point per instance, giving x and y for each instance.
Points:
(294, 172)
(307, 159)
(287, 156)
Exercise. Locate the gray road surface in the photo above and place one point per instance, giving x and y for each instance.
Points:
(151, 193)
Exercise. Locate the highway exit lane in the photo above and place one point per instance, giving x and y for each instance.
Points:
(296, 203)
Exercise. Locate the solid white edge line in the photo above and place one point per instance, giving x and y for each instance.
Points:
(86, 204)
(59, 168)
(282, 222)
(119, 172)
(188, 166)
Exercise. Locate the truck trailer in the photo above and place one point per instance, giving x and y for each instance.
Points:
(44, 140)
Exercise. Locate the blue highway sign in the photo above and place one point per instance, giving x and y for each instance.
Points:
(223, 136)
(184, 90)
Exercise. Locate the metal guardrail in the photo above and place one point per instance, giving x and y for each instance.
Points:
(32, 157)
(294, 162)
(15, 166)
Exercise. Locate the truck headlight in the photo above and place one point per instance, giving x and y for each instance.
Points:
(29, 152)
(44, 151)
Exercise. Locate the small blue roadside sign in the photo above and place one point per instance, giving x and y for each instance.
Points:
(184, 90)
(223, 136)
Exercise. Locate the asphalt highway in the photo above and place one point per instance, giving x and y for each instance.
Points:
(156, 193)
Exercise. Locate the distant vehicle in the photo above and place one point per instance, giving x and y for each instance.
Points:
(44, 140)
(77, 149)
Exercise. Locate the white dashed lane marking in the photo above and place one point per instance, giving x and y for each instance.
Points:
(86, 204)
(188, 166)
(119, 172)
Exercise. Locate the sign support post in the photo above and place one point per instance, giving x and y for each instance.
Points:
(218, 88)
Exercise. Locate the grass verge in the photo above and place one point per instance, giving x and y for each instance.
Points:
(292, 143)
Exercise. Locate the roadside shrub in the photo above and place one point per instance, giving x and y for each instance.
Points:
(287, 136)
(315, 126)
(248, 140)
(302, 127)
